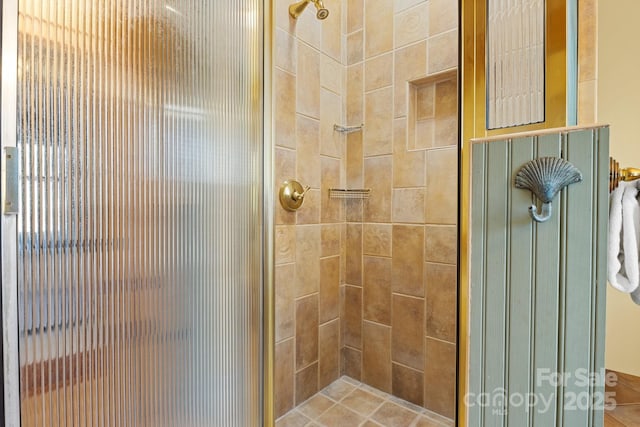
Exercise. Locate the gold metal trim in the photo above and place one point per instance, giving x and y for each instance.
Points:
(268, 218)
(473, 15)
(617, 174)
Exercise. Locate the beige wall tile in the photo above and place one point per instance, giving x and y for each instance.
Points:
(425, 134)
(410, 64)
(331, 142)
(285, 168)
(443, 51)
(351, 363)
(307, 259)
(284, 284)
(587, 40)
(408, 166)
(286, 51)
(352, 316)
(282, 18)
(355, 9)
(306, 331)
(309, 212)
(308, 151)
(332, 74)
(355, 160)
(378, 119)
(409, 169)
(378, 72)
(329, 288)
(329, 356)
(355, 209)
(285, 244)
(306, 383)
(309, 29)
(354, 254)
(407, 331)
(332, 29)
(407, 384)
(441, 301)
(443, 16)
(377, 239)
(355, 47)
(378, 27)
(308, 81)
(377, 177)
(400, 5)
(440, 377)
(412, 25)
(377, 290)
(446, 132)
(408, 205)
(587, 102)
(283, 377)
(441, 244)
(330, 235)
(442, 190)
(408, 260)
(285, 109)
(331, 209)
(355, 96)
(425, 101)
(376, 356)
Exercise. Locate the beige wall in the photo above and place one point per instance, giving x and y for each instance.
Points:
(619, 105)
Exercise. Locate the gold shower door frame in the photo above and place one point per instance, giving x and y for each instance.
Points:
(264, 217)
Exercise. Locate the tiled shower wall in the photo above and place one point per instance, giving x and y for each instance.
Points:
(399, 304)
(309, 98)
(367, 289)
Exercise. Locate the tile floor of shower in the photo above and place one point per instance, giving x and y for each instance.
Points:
(350, 403)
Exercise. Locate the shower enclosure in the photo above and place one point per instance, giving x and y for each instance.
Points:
(132, 267)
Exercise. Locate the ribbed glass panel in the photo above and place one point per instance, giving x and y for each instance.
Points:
(515, 62)
(140, 133)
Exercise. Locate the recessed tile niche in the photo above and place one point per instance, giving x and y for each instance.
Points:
(433, 111)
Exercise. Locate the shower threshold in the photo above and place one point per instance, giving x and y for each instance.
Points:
(349, 403)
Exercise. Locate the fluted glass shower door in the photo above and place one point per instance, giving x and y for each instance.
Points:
(139, 232)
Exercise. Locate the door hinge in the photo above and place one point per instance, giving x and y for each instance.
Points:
(10, 182)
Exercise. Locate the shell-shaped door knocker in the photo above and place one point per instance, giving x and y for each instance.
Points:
(545, 177)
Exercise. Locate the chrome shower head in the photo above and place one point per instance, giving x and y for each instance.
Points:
(297, 8)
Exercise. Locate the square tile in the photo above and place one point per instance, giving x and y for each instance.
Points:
(340, 415)
(392, 415)
(338, 389)
(315, 406)
(362, 402)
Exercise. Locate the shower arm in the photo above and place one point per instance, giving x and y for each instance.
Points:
(296, 9)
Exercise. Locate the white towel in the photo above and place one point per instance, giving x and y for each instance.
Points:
(624, 240)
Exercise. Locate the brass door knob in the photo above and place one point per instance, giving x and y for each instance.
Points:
(292, 195)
